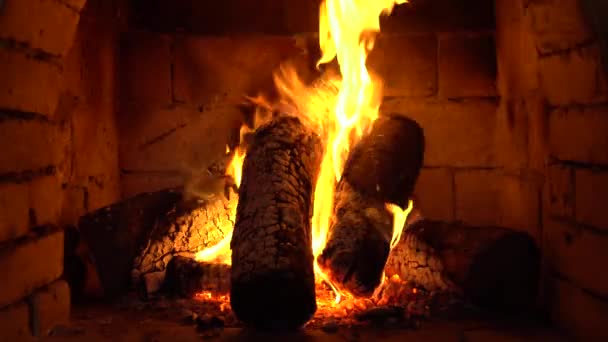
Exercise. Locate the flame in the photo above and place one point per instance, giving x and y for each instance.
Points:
(399, 218)
(347, 31)
(340, 110)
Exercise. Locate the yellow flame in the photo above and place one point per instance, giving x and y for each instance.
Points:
(399, 218)
(347, 31)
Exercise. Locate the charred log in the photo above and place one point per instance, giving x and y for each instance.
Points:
(186, 277)
(496, 268)
(359, 241)
(113, 235)
(272, 262)
(382, 167)
(385, 164)
(187, 227)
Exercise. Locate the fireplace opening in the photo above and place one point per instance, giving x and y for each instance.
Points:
(363, 169)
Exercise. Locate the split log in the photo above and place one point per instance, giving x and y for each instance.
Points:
(383, 167)
(385, 164)
(115, 234)
(186, 277)
(496, 268)
(272, 277)
(186, 228)
(359, 241)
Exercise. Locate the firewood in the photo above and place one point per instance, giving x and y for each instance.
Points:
(187, 227)
(382, 168)
(114, 235)
(496, 268)
(385, 164)
(359, 241)
(186, 277)
(272, 278)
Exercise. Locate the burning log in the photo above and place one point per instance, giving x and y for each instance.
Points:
(272, 262)
(385, 164)
(358, 242)
(496, 268)
(382, 167)
(114, 234)
(186, 277)
(186, 228)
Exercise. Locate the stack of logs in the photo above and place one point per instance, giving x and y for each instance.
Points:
(272, 283)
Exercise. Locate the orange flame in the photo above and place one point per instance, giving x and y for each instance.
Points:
(347, 32)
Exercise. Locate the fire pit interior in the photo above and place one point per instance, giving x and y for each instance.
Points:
(178, 169)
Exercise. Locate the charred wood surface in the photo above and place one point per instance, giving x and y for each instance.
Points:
(187, 227)
(385, 164)
(382, 168)
(496, 268)
(115, 234)
(272, 262)
(186, 277)
(359, 241)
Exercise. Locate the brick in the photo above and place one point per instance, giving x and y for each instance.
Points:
(162, 144)
(49, 307)
(94, 142)
(434, 194)
(14, 323)
(581, 314)
(146, 68)
(102, 190)
(517, 57)
(48, 25)
(407, 64)
(31, 264)
(14, 206)
(511, 140)
(212, 70)
(579, 134)
(30, 145)
(591, 198)
(37, 202)
(558, 24)
(45, 200)
(137, 183)
(28, 84)
(467, 66)
(560, 182)
(491, 198)
(575, 253)
(579, 67)
(458, 134)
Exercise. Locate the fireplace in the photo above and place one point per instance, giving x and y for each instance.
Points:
(128, 132)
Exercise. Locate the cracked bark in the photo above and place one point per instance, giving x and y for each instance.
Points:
(272, 262)
(496, 268)
(188, 227)
(382, 168)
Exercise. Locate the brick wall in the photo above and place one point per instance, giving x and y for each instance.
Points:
(513, 109)
(549, 63)
(59, 150)
(179, 118)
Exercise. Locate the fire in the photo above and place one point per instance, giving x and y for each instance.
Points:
(220, 252)
(340, 109)
(347, 31)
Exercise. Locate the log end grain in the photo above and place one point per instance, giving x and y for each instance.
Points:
(385, 164)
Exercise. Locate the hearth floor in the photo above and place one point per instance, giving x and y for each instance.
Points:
(119, 322)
